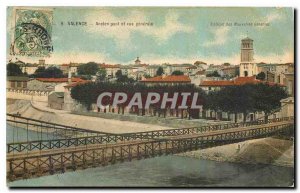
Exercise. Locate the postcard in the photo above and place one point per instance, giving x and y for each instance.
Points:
(150, 97)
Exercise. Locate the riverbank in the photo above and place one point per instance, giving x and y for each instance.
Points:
(100, 121)
(26, 109)
(269, 150)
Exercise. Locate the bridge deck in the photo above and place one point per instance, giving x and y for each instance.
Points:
(50, 161)
(47, 152)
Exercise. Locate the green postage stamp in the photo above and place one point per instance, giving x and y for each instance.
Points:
(32, 32)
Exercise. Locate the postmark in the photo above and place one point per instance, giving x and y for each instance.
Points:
(32, 34)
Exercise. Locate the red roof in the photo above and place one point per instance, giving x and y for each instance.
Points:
(169, 79)
(217, 83)
(76, 83)
(245, 80)
(235, 82)
(59, 79)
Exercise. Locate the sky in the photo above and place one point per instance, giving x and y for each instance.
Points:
(178, 35)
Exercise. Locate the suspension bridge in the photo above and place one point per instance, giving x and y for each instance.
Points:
(60, 148)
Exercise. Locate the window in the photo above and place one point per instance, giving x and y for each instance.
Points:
(19, 84)
(12, 84)
(240, 116)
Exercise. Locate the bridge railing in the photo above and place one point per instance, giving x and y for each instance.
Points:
(58, 162)
(204, 128)
(49, 127)
(114, 138)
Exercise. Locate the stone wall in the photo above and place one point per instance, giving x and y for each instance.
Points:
(25, 94)
(168, 121)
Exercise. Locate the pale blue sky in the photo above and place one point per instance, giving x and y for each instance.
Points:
(178, 35)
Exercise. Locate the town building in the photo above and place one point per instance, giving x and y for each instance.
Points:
(56, 100)
(198, 77)
(201, 65)
(128, 70)
(152, 69)
(230, 71)
(287, 107)
(185, 68)
(65, 68)
(212, 85)
(213, 68)
(17, 82)
(167, 80)
(69, 102)
(48, 84)
(191, 70)
(29, 68)
(110, 69)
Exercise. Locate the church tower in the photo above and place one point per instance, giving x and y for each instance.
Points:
(247, 65)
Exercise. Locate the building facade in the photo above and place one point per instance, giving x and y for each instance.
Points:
(247, 66)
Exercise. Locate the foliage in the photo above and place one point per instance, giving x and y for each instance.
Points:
(160, 71)
(123, 78)
(267, 98)
(177, 73)
(147, 76)
(51, 72)
(90, 68)
(87, 93)
(261, 76)
(213, 74)
(246, 99)
(13, 70)
(101, 75)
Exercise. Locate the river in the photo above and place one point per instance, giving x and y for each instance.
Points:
(165, 171)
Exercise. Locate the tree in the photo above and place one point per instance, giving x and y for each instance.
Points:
(232, 99)
(267, 98)
(246, 99)
(90, 68)
(213, 74)
(13, 70)
(51, 72)
(177, 73)
(101, 74)
(237, 72)
(87, 94)
(160, 71)
(147, 76)
(123, 78)
(119, 74)
(261, 76)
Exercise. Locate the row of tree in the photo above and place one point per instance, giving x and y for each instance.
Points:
(244, 99)
(88, 93)
(13, 69)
